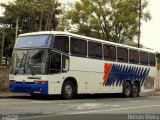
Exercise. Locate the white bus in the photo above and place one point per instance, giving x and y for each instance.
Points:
(67, 64)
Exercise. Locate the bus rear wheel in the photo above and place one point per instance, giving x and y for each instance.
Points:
(68, 90)
(135, 90)
(127, 89)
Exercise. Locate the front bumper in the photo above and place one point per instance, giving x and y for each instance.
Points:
(29, 88)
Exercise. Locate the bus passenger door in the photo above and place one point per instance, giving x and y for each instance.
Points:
(55, 79)
(55, 63)
(59, 65)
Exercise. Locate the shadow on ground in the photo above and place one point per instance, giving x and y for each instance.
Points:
(58, 97)
(4, 95)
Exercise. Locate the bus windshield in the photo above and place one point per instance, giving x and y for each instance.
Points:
(32, 61)
(33, 41)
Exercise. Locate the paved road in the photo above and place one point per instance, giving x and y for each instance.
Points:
(107, 107)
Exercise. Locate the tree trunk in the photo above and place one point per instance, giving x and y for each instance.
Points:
(40, 22)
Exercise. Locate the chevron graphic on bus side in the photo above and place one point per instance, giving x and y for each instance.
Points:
(115, 74)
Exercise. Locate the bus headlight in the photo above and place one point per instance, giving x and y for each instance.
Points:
(43, 82)
(40, 82)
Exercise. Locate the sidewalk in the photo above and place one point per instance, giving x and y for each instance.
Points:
(151, 93)
(9, 94)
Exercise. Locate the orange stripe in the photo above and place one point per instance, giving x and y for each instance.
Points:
(107, 70)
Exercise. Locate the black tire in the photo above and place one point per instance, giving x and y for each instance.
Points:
(135, 90)
(127, 89)
(68, 90)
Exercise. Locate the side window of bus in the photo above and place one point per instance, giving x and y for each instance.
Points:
(78, 47)
(133, 56)
(61, 43)
(65, 63)
(109, 52)
(55, 63)
(152, 59)
(122, 54)
(95, 50)
(143, 58)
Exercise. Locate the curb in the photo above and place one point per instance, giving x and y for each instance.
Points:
(151, 93)
(9, 94)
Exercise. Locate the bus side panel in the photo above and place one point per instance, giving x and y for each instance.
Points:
(149, 81)
(55, 83)
(99, 76)
(89, 74)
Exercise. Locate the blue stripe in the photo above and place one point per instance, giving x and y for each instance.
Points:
(29, 88)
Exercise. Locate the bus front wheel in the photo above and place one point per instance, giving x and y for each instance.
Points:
(127, 89)
(68, 90)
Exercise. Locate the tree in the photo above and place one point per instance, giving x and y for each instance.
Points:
(32, 15)
(111, 20)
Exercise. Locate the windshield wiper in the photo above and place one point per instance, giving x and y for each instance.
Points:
(31, 68)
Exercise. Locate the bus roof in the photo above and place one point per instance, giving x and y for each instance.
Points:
(84, 37)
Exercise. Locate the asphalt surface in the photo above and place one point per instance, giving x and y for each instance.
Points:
(85, 107)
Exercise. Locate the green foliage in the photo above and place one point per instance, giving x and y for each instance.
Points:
(32, 15)
(112, 20)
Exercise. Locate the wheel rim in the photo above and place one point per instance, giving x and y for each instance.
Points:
(127, 90)
(68, 90)
(135, 90)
